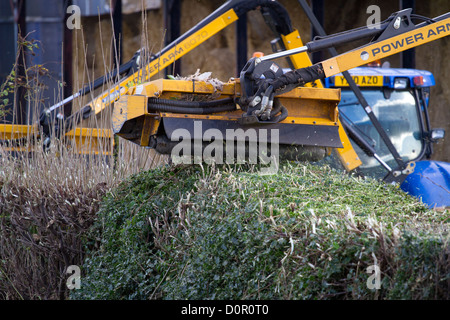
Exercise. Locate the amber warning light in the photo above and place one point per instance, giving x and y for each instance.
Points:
(418, 81)
(375, 64)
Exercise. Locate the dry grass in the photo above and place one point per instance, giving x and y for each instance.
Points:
(47, 202)
(49, 199)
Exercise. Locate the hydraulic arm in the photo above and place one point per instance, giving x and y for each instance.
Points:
(138, 71)
(394, 35)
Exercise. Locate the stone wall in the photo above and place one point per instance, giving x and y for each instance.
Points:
(218, 53)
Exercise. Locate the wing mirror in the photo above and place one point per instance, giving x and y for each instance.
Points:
(437, 134)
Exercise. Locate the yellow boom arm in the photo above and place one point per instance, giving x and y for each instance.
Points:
(386, 48)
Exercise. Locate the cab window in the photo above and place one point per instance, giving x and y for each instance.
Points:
(397, 114)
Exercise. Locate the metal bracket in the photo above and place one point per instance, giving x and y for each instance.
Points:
(399, 175)
(401, 23)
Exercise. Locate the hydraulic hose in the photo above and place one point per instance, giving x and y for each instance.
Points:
(299, 77)
(191, 107)
(278, 108)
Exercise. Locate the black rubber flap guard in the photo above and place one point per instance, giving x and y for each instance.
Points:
(289, 134)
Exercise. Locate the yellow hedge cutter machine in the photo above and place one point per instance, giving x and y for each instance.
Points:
(267, 97)
(287, 107)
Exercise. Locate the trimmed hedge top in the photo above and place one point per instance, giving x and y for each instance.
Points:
(308, 232)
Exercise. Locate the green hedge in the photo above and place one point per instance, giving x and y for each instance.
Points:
(308, 232)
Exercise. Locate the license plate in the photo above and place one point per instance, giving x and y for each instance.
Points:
(362, 81)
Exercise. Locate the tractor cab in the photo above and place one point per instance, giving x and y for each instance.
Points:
(399, 99)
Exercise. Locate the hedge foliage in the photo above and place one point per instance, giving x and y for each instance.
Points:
(308, 232)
